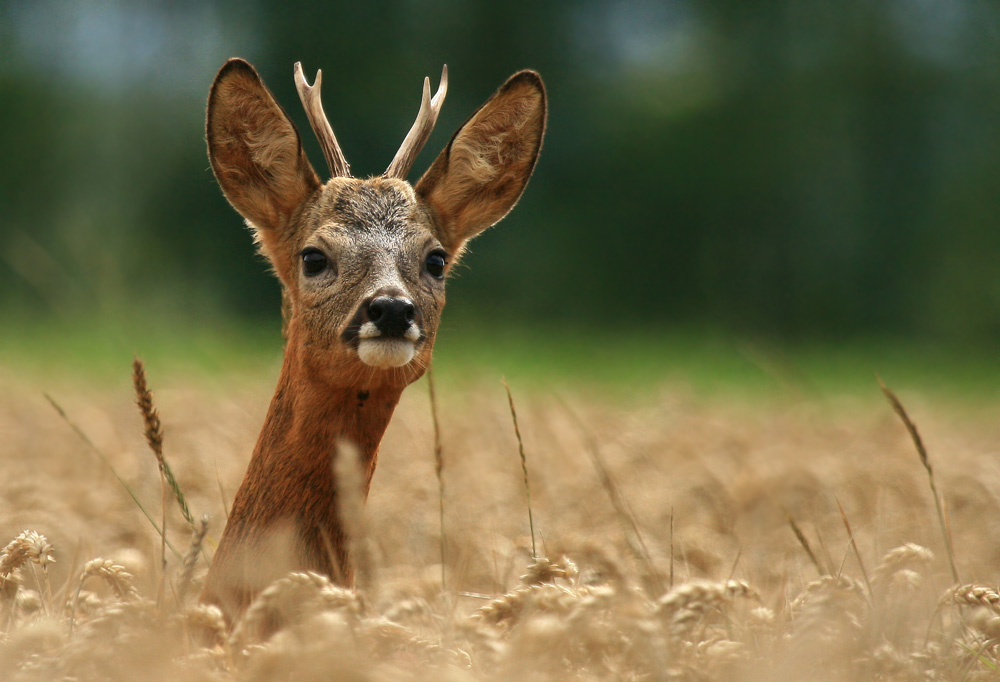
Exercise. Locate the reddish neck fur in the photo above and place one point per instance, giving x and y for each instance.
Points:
(285, 514)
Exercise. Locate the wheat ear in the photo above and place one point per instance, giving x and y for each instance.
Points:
(191, 559)
(154, 436)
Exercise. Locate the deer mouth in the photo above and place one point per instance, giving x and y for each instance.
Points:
(381, 350)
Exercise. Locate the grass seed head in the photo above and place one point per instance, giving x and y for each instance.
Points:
(291, 600)
(973, 595)
(906, 556)
(206, 619)
(115, 575)
(542, 570)
(28, 546)
(153, 430)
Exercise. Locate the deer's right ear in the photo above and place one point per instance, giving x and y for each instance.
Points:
(255, 150)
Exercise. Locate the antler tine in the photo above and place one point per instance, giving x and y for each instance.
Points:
(310, 96)
(422, 127)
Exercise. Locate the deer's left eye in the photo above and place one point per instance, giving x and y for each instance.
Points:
(313, 262)
(435, 264)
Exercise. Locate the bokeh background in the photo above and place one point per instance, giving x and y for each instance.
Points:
(771, 169)
(776, 198)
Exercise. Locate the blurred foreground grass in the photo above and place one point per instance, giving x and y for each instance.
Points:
(611, 365)
(715, 444)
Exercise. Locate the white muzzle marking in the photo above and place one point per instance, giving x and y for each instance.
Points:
(385, 353)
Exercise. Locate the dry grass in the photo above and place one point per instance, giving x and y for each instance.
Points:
(706, 486)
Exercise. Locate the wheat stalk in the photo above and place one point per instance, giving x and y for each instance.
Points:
(191, 559)
(686, 605)
(29, 548)
(973, 595)
(633, 536)
(828, 584)
(918, 442)
(898, 559)
(671, 548)
(854, 545)
(290, 599)
(524, 468)
(438, 468)
(544, 571)
(800, 536)
(115, 575)
(154, 436)
(206, 619)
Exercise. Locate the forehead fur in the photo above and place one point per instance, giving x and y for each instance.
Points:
(373, 204)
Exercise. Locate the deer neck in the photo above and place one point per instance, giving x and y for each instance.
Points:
(285, 515)
(315, 407)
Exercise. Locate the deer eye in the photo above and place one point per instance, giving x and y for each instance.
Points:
(435, 264)
(313, 261)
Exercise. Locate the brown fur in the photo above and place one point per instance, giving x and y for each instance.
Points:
(376, 234)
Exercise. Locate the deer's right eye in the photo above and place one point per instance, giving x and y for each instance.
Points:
(313, 262)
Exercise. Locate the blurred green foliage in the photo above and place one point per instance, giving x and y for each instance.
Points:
(233, 354)
(821, 169)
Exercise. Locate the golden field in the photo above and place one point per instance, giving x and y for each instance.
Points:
(665, 520)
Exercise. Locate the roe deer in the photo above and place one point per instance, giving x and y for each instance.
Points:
(362, 263)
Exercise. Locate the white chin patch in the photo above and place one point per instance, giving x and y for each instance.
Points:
(385, 353)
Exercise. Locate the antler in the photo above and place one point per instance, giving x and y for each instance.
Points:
(421, 130)
(309, 94)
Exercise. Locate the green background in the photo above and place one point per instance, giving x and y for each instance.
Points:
(789, 171)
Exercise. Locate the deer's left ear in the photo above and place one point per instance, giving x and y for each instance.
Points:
(482, 172)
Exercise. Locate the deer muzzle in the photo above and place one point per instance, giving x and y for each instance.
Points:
(390, 332)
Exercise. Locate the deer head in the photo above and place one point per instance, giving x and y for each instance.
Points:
(363, 262)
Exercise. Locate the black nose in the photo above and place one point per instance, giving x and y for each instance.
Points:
(391, 314)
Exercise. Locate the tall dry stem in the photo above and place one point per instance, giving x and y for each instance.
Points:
(671, 548)
(101, 456)
(633, 536)
(191, 559)
(800, 536)
(854, 546)
(438, 467)
(524, 467)
(154, 438)
(918, 442)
